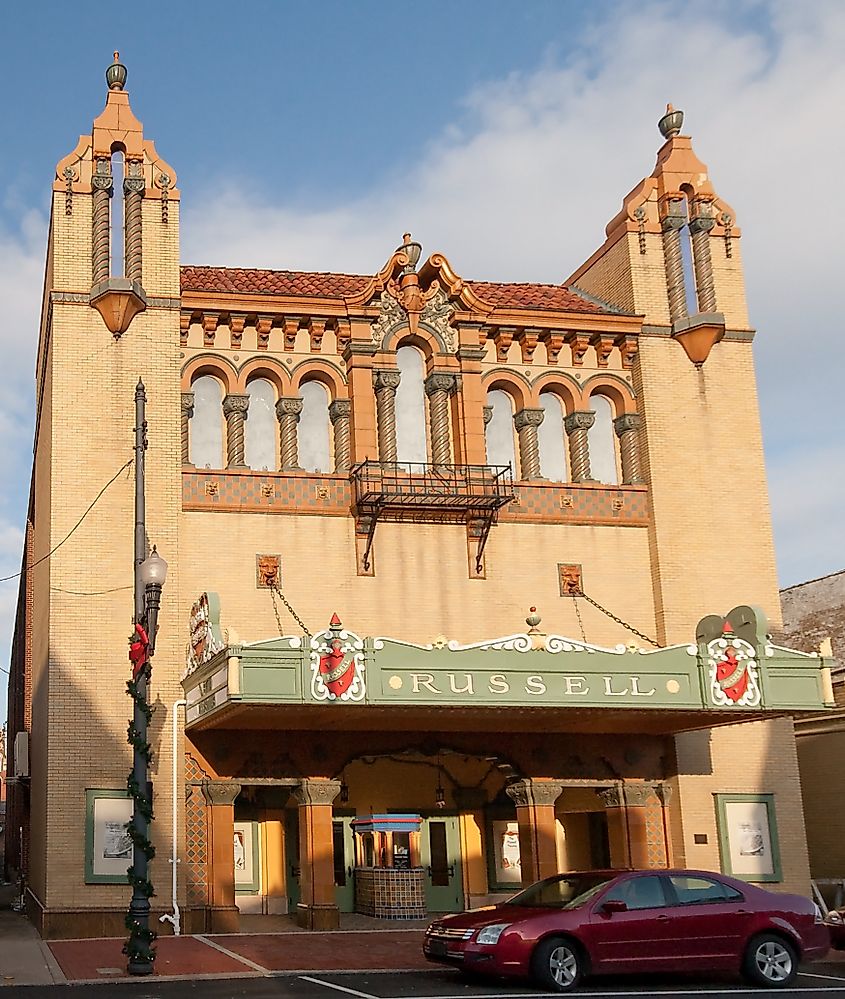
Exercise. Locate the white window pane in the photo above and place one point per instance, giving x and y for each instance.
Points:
(262, 427)
(206, 425)
(500, 431)
(314, 428)
(411, 438)
(551, 436)
(602, 444)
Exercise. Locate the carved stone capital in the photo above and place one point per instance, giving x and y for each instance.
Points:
(340, 409)
(220, 792)
(188, 404)
(627, 421)
(488, 414)
(386, 378)
(134, 179)
(288, 406)
(579, 421)
(664, 793)
(102, 178)
(440, 381)
(528, 418)
(531, 791)
(316, 792)
(672, 212)
(701, 223)
(634, 795)
(235, 404)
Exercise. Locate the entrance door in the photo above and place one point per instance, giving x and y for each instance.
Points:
(440, 850)
(292, 857)
(344, 862)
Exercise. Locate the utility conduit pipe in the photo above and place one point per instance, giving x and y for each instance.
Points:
(174, 918)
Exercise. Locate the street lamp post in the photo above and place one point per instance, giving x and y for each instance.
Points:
(150, 574)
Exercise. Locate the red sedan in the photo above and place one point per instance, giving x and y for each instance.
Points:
(610, 922)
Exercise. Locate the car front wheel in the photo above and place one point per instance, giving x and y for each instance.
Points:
(557, 965)
(770, 961)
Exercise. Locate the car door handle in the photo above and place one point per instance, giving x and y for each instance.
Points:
(663, 918)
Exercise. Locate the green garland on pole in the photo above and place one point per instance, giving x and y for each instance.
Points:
(139, 945)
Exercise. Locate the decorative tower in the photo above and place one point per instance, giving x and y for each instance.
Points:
(110, 316)
(672, 255)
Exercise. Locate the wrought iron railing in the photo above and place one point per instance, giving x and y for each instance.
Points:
(427, 486)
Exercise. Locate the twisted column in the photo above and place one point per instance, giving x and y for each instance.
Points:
(102, 184)
(187, 413)
(339, 413)
(234, 409)
(672, 222)
(386, 381)
(133, 192)
(699, 229)
(526, 422)
(577, 426)
(438, 387)
(627, 429)
(488, 416)
(288, 411)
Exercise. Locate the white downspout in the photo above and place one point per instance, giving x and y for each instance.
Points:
(174, 917)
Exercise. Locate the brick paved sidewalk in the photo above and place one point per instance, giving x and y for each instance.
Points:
(247, 954)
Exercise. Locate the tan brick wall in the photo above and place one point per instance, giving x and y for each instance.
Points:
(90, 437)
(711, 533)
(754, 758)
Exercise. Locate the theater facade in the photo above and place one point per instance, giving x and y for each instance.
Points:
(470, 582)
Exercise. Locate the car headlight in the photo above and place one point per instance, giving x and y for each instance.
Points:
(491, 934)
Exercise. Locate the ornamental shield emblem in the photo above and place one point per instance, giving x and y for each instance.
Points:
(337, 664)
(733, 669)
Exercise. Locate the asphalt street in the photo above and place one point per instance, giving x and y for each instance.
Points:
(437, 984)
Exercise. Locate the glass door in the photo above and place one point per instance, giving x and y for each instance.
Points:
(344, 862)
(440, 850)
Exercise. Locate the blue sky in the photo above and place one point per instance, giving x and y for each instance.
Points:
(311, 135)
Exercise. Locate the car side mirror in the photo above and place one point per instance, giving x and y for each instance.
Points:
(613, 905)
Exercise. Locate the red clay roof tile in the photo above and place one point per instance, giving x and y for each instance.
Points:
(310, 284)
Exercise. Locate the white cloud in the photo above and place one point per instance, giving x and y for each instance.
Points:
(522, 186)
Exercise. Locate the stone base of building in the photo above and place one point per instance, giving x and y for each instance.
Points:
(317, 917)
(69, 924)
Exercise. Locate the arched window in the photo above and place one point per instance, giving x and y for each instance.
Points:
(500, 431)
(206, 426)
(552, 439)
(687, 257)
(261, 433)
(411, 437)
(118, 258)
(314, 428)
(602, 442)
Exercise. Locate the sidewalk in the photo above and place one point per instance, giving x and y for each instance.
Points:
(25, 959)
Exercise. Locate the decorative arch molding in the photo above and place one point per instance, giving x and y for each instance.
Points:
(620, 394)
(566, 388)
(320, 371)
(210, 364)
(377, 284)
(426, 340)
(510, 382)
(261, 367)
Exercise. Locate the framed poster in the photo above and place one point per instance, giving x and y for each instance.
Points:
(108, 847)
(247, 871)
(507, 871)
(748, 839)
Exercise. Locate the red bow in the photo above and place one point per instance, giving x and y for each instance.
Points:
(138, 644)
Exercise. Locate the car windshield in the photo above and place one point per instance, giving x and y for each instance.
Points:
(566, 892)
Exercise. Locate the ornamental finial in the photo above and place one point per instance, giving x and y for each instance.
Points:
(116, 74)
(533, 620)
(671, 123)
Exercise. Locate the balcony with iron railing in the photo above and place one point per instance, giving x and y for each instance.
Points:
(422, 491)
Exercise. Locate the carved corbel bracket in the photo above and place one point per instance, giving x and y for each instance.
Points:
(578, 343)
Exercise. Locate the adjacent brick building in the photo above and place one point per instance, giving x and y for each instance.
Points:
(425, 456)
